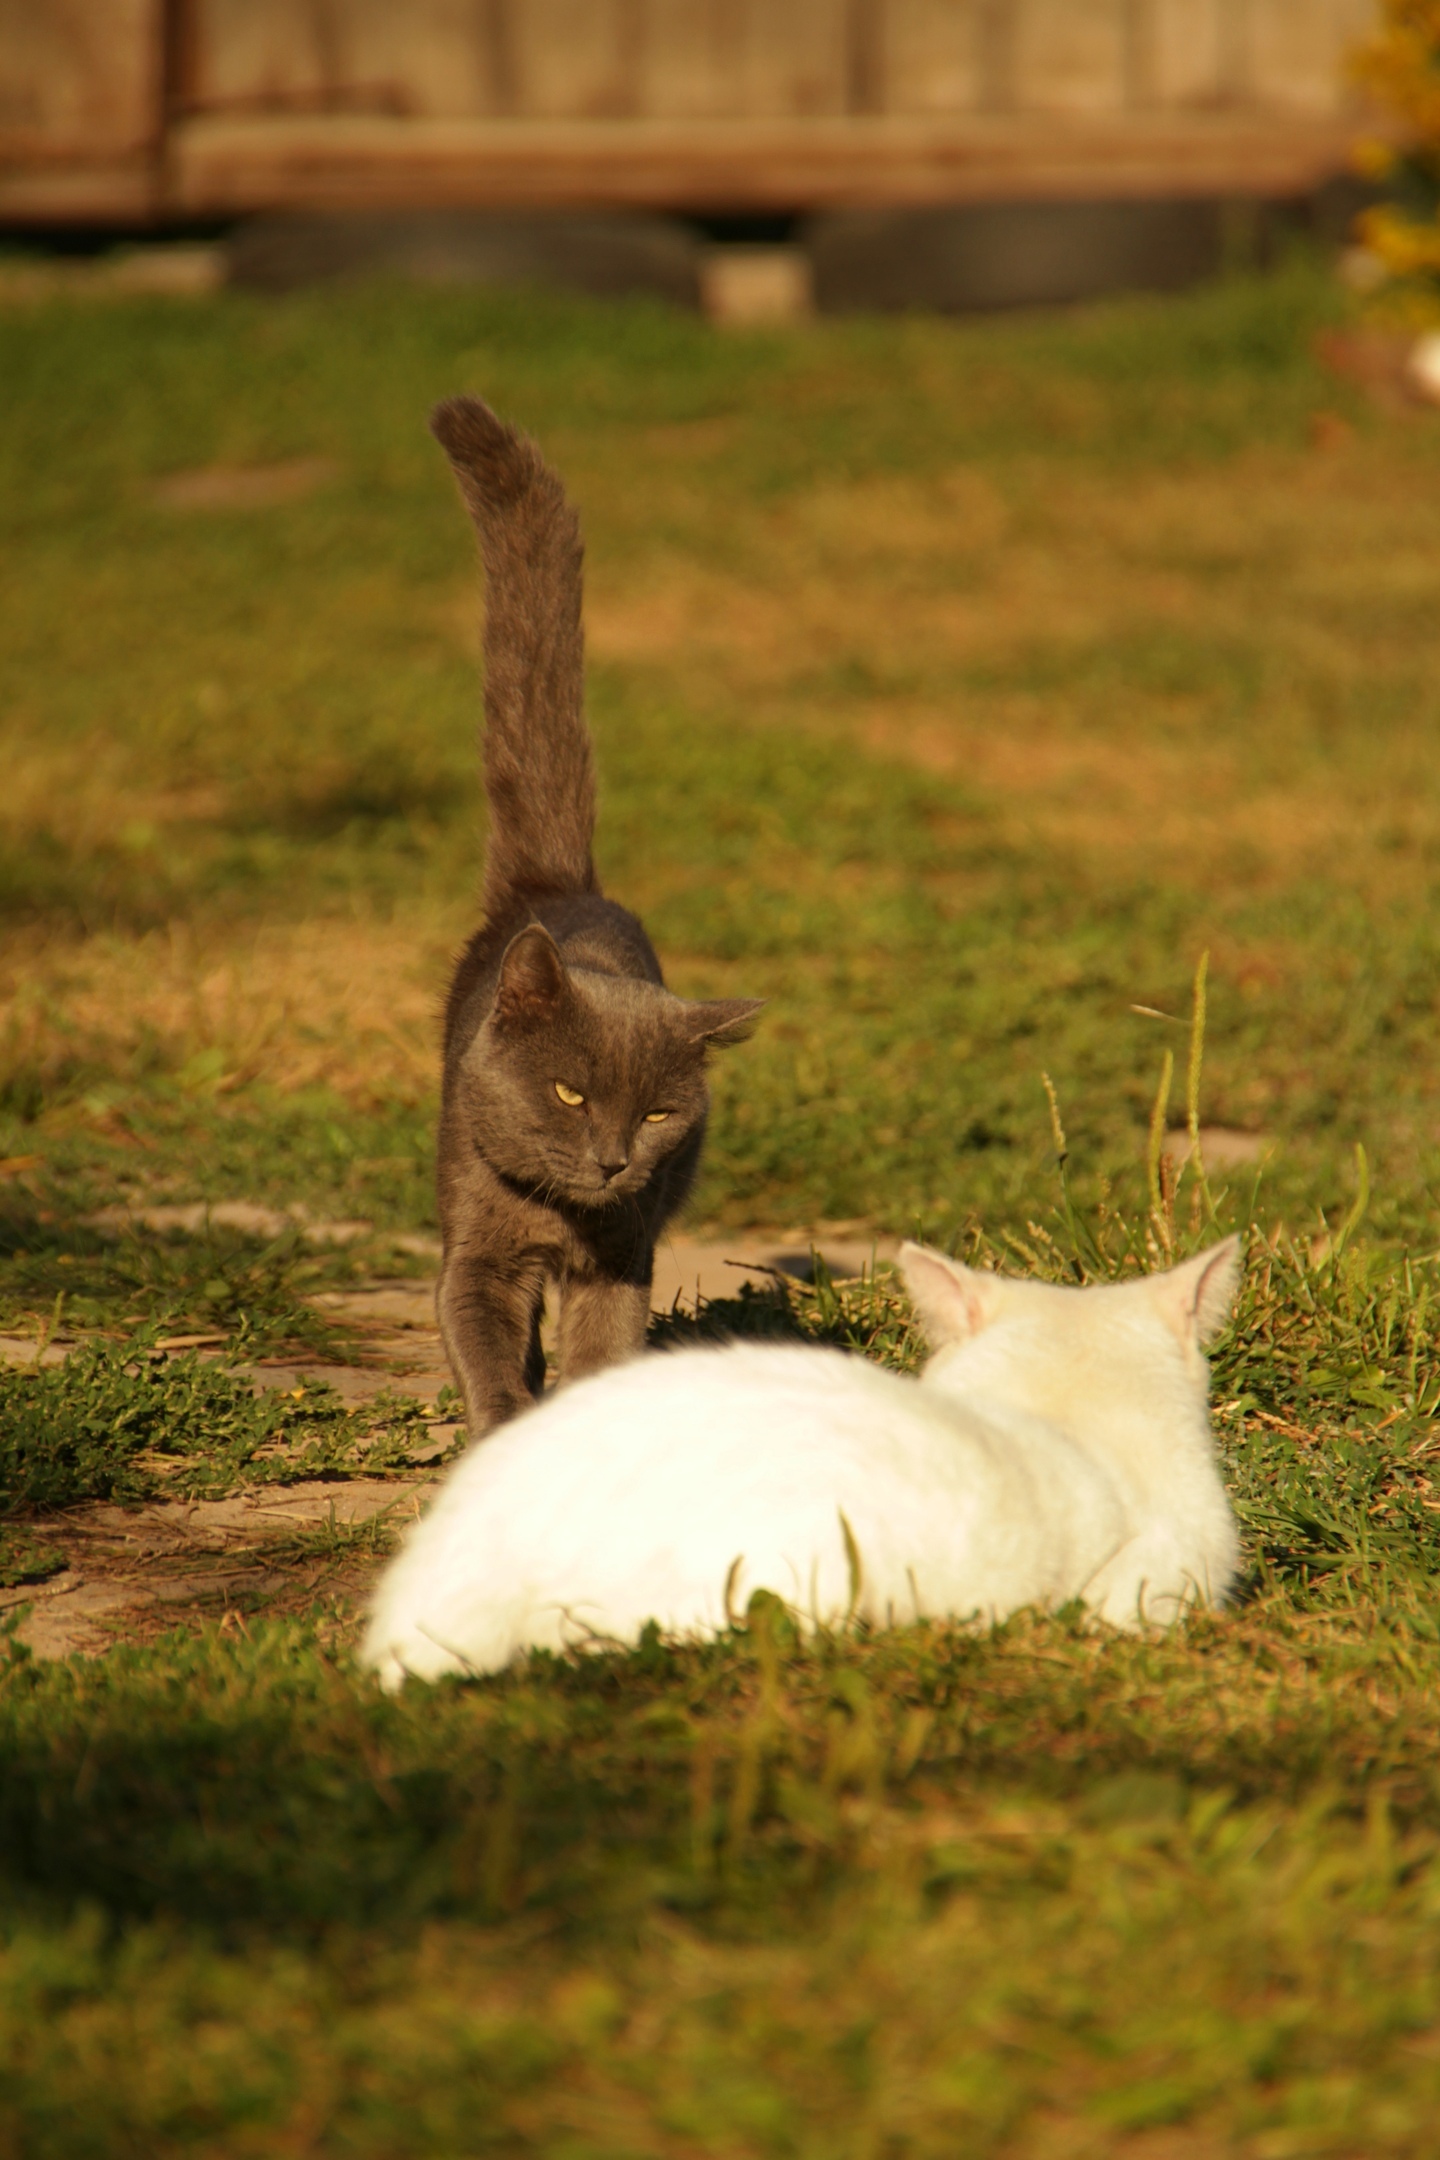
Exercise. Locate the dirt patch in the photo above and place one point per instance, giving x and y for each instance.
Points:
(1056, 787)
(134, 1572)
(244, 487)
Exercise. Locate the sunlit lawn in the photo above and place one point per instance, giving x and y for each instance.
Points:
(955, 687)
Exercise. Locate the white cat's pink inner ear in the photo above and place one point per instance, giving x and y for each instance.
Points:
(1196, 1297)
(954, 1302)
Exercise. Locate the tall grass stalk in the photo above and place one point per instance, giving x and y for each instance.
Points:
(1192, 1083)
(1161, 1196)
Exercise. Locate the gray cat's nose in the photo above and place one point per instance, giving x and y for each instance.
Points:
(609, 1170)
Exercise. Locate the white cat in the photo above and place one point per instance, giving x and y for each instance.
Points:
(1057, 1447)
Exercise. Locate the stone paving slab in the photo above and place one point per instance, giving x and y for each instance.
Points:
(133, 1568)
(21, 1349)
(684, 1268)
(402, 1304)
(194, 1218)
(406, 1375)
(398, 1317)
(715, 1268)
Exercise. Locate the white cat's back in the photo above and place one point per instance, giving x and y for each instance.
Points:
(631, 1496)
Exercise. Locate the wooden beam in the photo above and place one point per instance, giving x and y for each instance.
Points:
(220, 166)
(120, 191)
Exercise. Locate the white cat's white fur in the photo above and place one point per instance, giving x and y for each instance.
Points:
(1058, 1446)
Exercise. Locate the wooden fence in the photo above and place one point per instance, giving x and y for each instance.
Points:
(136, 109)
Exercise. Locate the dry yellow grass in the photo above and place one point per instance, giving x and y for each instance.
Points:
(352, 1006)
(1301, 556)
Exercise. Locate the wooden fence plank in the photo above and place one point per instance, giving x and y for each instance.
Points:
(733, 59)
(433, 60)
(80, 80)
(694, 59)
(82, 110)
(262, 55)
(577, 59)
(1070, 56)
(933, 59)
(1297, 49)
(1186, 44)
(436, 61)
(795, 59)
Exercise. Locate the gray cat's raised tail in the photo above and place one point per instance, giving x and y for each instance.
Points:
(573, 1101)
(539, 773)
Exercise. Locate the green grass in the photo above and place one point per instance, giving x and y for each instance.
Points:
(124, 1421)
(955, 686)
(1099, 546)
(255, 1294)
(912, 1891)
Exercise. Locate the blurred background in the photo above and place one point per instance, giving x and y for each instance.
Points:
(881, 153)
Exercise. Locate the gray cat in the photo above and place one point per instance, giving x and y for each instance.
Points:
(573, 1102)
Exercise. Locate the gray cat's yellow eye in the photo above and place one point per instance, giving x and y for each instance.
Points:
(656, 1117)
(568, 1095)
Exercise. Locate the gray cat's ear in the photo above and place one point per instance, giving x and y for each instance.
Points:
(723, 1021)
(1196, 1297)
(954, 1301)
(532, 978)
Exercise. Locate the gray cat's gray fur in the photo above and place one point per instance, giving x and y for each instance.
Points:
(559, 989)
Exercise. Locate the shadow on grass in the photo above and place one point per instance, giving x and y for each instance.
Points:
(867, 1314)
(251, 1294)
(256, 1786)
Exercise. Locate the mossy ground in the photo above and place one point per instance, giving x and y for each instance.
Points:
(955, 686)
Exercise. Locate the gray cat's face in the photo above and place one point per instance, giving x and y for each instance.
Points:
(581, 1084)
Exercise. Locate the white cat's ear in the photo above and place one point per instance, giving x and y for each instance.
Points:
(954, 1302)
(1196, 1297)
(532, 977)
